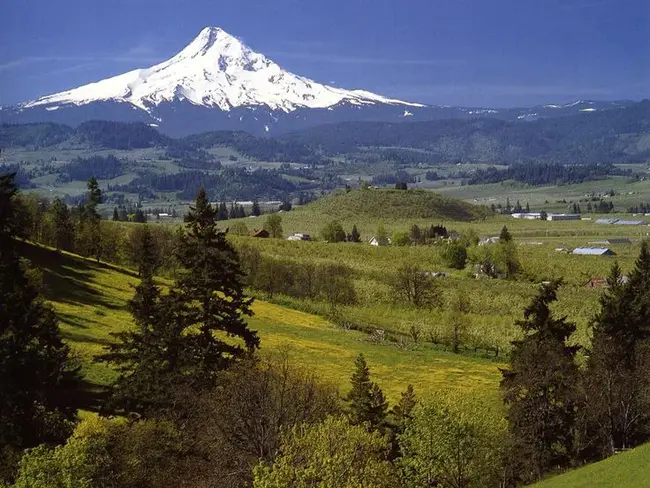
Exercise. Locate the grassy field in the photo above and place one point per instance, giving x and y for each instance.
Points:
(90, 299)
(627, 470)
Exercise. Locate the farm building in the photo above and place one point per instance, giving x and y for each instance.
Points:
(527, 215)
(619, 222)
(299, 237)
(613, 240)
(488, 240)
(593, 251)
(375, 242)
(563, 217)
(260, 233)
(602, 282)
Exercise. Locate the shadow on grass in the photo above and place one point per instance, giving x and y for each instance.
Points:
(66, 278)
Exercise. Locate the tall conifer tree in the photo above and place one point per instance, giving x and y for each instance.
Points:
(539, 390)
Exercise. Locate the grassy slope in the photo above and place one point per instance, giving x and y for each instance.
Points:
(91, 298)
(626, 470)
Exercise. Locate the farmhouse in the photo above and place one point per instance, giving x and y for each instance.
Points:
(375, 242)
(299, 237)
(527, 215)
(488, 240)
(593, 251)
(563, 217)
(260, 233)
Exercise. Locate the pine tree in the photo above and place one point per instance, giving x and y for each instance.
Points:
(63, 228)
(232, 214)
(255, 210)
(403, 411)
(187, 336)
(617, 376)
(354, 235)
(222, 213)
(214, 280)
(527, 208)
(367, 402)
(89, 225)
(505, 236)
(116, 215)
(539, 389)
(39, 385)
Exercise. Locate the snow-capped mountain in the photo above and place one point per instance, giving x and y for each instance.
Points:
(215, 70)
(217, 82)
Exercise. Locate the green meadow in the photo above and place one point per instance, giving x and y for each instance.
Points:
(90, 299)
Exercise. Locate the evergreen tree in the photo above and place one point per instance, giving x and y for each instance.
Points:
(139, 216)
(89, 224)
(518, 208)
(123, 215)
(39, 385)
(116, 215)
(508, 205)
(63, 228)
(403, 411)
(367, 402)
(255, 210)
(618, 369)
(232, 214)
(241, 213)
(539, 389)
(505, 236)
(212, 291)
(187, 336)
(222, 214)
(416, 236)
(354, 236)
(527, 208)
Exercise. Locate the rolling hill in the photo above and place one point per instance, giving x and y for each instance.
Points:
(387, 204)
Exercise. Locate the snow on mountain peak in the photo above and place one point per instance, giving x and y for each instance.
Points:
(215, 70)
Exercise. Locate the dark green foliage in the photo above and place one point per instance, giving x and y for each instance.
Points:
(416, 235)
(367, 403)
(617, 377)
(416, 287)
(600, 137)
(214, 279)
(333, 232)
(401, 185)
(119, 135)
(539, 389)
(354, 236)
(403, 411)
(505, 236)
(139, 216)
(116, 215)
(82, 169)
(544, 174)
(222, 213)
(255, 210)
(188, 336)
(39, 386)
(455, 255)
(63, 227)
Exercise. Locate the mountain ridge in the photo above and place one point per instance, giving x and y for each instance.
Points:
(218, 83)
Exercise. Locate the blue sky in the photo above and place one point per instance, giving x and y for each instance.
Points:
(454, 52)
